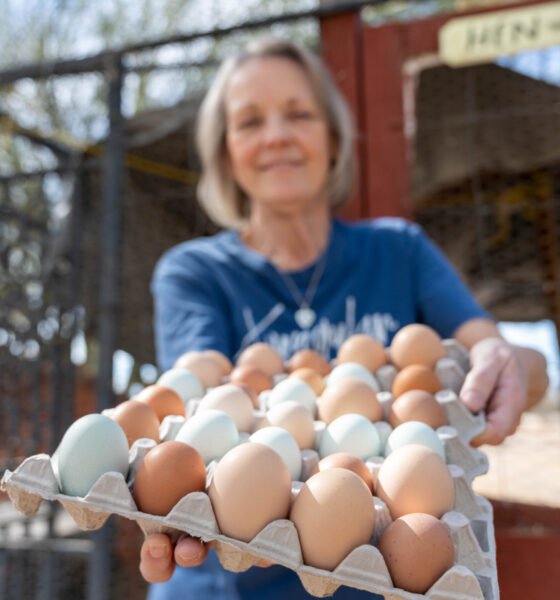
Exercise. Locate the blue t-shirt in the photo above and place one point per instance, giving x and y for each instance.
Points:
(380, 275)
(215, 293)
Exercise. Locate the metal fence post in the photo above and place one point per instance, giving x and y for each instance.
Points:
(99, 576)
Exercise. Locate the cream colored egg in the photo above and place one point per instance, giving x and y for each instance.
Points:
(295, 419)
(206, 368)
(232, 400)
(250, 488)
(345, 396)
(413, 479)
(334, 514)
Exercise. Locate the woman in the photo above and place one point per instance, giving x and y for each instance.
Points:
(275, 139)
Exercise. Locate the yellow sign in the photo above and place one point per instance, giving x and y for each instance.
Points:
(483, 38)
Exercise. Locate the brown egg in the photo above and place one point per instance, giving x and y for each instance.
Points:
(311, 377)
(162, 400)
(345, 460)
(364, 350)
(416, 344)
(349, 396)
(415, 377)
(250, 488)
(263, 356)
(138, 420)
(328, 529)
(310, 359)
(232, 400)
(207, 369)
(221, 359)
(252, 377)
(295, 419)
(418, 550)
(168, 472)
(414, 478)
(417, 405)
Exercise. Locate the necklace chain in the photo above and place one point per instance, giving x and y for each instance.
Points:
(305, 316)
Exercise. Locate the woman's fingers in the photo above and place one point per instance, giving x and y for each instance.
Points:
(488, 359)
(156, 558)
(498, 384)
(190, 552)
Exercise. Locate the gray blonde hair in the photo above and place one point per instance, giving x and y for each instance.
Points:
(221, 197)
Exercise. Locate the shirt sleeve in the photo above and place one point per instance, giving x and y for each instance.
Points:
(443, 301)
(190, 311)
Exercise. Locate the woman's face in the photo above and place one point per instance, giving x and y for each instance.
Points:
(277, 137)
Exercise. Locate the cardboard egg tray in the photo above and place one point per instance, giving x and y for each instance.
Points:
(473, 577)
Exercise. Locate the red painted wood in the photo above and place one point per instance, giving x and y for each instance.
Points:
(342, 52)
(386, 160)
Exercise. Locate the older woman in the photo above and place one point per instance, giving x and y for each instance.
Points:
(275, 139)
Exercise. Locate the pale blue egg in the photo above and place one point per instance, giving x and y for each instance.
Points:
(414, 432)
(350, 370)
(350, 433)
(91, 446)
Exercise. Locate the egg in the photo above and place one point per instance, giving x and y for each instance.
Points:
(350, 433)
(364, 350)
(311, 377)
(349, 396)
(253, 396)
(164, 401)
(252, 377)
(91, 446)
(295, 390)
(250, 488)
(282, 442)
(183, 382)
(208, 370)
(296, 419)
(415, 377)
(310, 359)
(168, 472)
(414, 432)
(138, 420)
(350, 370)
(416, 344)
(418, 550)
(343, 460)
(210, 432)
(263, 356)
(414, 478)
(333, 514)
(232, 400)
(417, 405)
(221, 359)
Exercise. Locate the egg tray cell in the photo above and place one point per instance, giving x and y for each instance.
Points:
(472, 577)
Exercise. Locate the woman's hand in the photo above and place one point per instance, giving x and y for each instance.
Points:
(158, 556)
(496, 383)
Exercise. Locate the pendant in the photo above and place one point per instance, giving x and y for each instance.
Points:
(305, 317)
